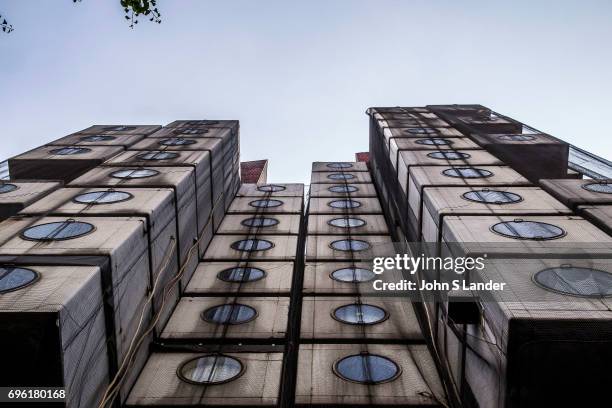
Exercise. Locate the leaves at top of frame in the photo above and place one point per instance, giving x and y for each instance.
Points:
(5, 26)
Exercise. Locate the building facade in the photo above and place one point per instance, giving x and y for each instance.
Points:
(136, 269)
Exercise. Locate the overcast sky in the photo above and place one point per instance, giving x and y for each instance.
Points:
(300, 74)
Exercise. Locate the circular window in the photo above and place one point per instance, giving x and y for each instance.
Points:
(189, 131)
(241, 274)
(344, 204)
(467, 172)
(16, 278)
(434, 141)
(7, 188)
(339, 165)
(67, 151)
(366, 368)
(353, 275)
(340, 176)
(347, 222)
(134, 173)
(450, 155)
(252, 245)
(103, 197)
(202, 122)
(533, 230)
(259, 222)
(362, 314)
(271, 188)
(492, 197)
(57, 231)
(343, 189)
(602, 187)
(516, 138)
(98, 138)
(158, 156)
(177, 141)
(230, 314)
(576, 281)
(266, 203)
(118, 128)
(211, 369)
(350, 245)
(420, 131)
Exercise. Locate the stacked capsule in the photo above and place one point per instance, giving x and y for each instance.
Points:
(224, 344)
(356, 347)
(109, 254)
(480, 200)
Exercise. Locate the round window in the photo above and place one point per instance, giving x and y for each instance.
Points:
(344, 204)
(271, 188)
(339, 165)
(353, 275)
(492, 197)
(98, 138)
(57, 231)
(211, 369)
(241, 274)
(265, 203)
(366, 368)
(259, 222)
(252, 245)
(434, 141)
(229, 314)
(362, 314)
(134, 173)
(420, 131)
(532, 230)
(103, 197)
(353, 245)
(118, 128)
(347, 222)
(516, 138)
(67, 151)
(190, 131)
(602, 187)
(576, 281)
(177, 141)
(7, 188)
(450, 155)
(13, 278)
(158, 156)
(343, 189)
(467, 172)
(341, 176)
(202, 122)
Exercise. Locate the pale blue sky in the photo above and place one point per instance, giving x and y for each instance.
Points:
(299, 74)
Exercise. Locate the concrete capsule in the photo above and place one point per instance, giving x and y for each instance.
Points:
(249, 319)
(63, 163)
(271, 190)
(573, 192)
(347, 224)
(252, 247)
(440, 202)
(17, 195)
(246, 277)
(343, 206)
(260, 224)
(265, 205)
(256, 381)
(52, 331)
(415, 381)
(362, 318)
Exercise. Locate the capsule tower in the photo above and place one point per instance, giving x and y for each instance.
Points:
(140, 268)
